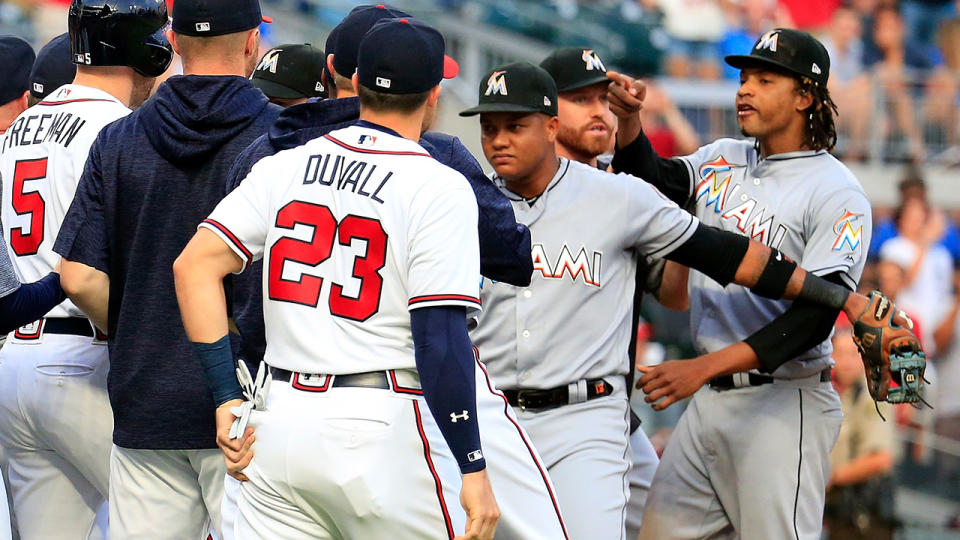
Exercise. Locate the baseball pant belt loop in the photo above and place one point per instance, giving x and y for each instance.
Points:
(743, 380)
(402, 381)
(74, 326)
(539, 400)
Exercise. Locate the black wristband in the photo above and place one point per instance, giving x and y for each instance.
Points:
(775, 276)
(821, 291)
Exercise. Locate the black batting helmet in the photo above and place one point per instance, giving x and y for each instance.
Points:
(120, 33)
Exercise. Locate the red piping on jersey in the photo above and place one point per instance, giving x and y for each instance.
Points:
(533, 456)
(365, 151)
(438, 297)
(78, 100)
(233, 239)
(433, 471)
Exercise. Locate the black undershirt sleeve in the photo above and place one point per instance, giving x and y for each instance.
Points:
(713, 252)
(801, 327)
(671, 176)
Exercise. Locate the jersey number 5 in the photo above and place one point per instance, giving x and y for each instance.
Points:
(306, 290)
(28, 204)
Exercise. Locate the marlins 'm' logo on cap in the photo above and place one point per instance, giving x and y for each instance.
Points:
(270, 61)
(768, 41)
(496, 84)
(592, 61)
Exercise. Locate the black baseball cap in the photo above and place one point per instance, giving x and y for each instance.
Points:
(403, 56)
(350, 32)
(53, 68)
(17, 55)
(575, 67)
(205, 18)
(329, 47)
(516, 87)
(291, 72)
(793, 50)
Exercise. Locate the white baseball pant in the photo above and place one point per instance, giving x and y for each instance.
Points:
(165, 494)
(749, 463)
(643, 468)
(55, 428)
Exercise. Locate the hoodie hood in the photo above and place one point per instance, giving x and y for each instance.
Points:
(192, 116)
(301, 123)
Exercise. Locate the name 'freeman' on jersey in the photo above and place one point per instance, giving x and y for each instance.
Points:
(349, 174)
(59, 128)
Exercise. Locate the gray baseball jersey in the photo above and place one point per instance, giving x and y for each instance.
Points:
(806, 204)
(8, 277)
(573, 321)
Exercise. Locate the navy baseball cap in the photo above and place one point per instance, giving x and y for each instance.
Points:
(329, 46)
(204, 18)
(53, 68)
(18, 56)
(290, 72)
(575, 67)
(349, 33)
(519, 87)
(403, 56)
(792, 50)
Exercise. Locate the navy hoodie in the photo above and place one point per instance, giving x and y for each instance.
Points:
(504, 243)
(150, 179)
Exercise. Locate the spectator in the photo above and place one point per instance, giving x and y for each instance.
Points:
(927, 265)
(667, 128)
(902, 66)
(849, 84)
(860, 492)
(913, 187)
(695, 28)
(746, 20)
(942, 109)
(923, 18)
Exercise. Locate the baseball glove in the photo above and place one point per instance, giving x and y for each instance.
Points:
(892, 356)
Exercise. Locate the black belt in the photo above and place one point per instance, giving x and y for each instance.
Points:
(538, 400)
(73, 326)
(370, 379)
(726, 382)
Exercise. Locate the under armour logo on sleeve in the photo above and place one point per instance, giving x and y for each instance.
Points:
(462, 416)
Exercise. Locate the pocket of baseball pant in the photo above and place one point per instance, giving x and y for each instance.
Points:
(64, 370)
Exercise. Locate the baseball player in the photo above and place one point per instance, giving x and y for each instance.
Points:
(586, 130)
(55, 419)
(529, 510)
(291, 74)
(150, 179)
(588, 227)
(52, 69)
(18, 54)
(370, 262)
(728, 465)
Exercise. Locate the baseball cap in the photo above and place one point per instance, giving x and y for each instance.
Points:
(290, 72)
(329, 47)
(575, 67)
(792, 50)
(347, 35)
(385, 63)
(516, 87)
(53, 68)
(204, 18)
(18, 56)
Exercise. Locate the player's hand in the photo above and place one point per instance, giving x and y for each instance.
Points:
(236, 452)
(476, 497)
(671, 381)
(625, 95)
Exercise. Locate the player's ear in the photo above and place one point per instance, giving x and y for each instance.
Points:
(330, 66)
(172, 38)
(24, 101)
(804, 99)
(434, 96)
(252, 46)
(355, 83)
(553, 126)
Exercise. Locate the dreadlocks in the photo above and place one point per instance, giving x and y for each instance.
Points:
(820, 130)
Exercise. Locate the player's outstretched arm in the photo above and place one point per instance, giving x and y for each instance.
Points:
(88, 288)
(30, 301)
(198, 275)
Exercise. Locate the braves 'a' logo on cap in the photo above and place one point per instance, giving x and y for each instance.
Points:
(270, 61)
(768, 41)
(496, 84)
(592, 60)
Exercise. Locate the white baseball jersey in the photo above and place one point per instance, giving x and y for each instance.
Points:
(806, 204)
(41, 160)
(587, 230)
(355, 229)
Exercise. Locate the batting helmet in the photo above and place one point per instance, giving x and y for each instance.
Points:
(120, 33)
